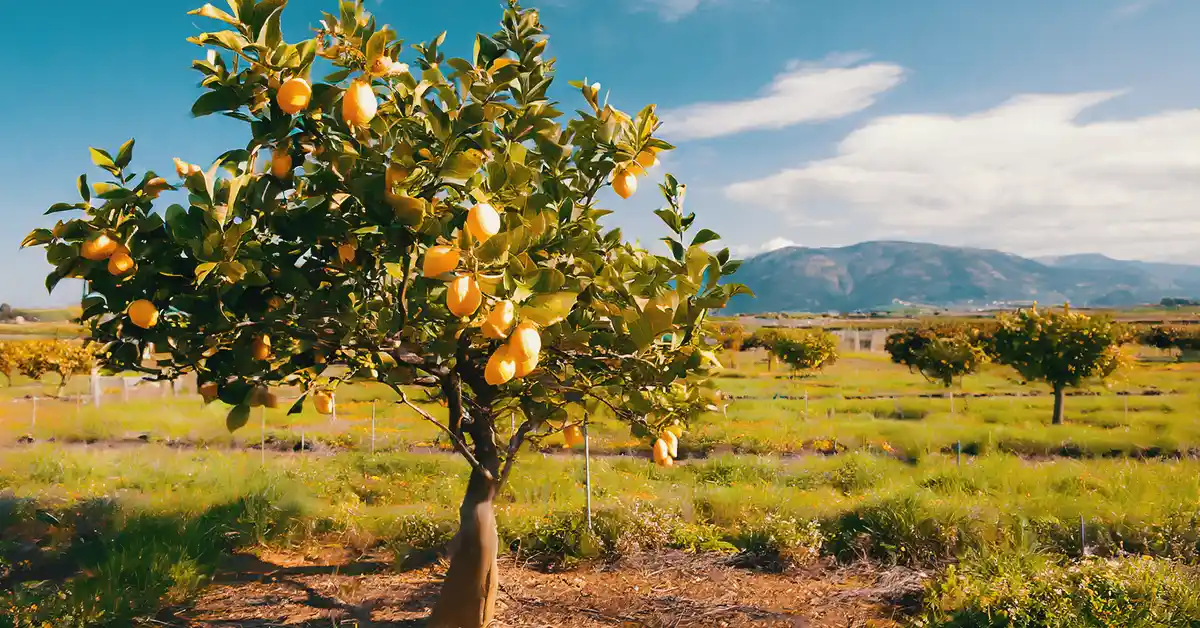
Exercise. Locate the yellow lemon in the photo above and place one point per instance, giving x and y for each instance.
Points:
(672, 442)
(526, 367)
(294, 95)
(359, 104)
(499, 320)
(526, 342)
(501, 367)
(120, 262)
(323, 402)
(98, 248)
(410, 210)
(647, 158)
(624, 183)
(143, 313)
(281, 164)
(463, 296)
(440, 260)
(662, 453)
(260, 349)
(483, 222)
(573, 435)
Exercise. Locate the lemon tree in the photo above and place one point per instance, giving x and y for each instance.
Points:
(1059, 347)
(411, 219)
(942, 353)
(805, 350)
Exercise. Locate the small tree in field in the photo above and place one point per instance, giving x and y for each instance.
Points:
(434, 225)
(1062, 348)
(942, 354)
(9, 360)
(732, 337)
(805, 350)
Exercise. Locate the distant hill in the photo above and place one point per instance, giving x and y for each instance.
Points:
(874, 275)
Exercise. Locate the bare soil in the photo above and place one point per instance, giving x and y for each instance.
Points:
(656, 590)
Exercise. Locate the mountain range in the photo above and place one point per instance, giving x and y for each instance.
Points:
(874, 275)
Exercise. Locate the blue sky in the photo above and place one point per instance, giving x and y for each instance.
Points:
(1032, 126)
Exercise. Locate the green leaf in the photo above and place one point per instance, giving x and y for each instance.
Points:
(84, 191)
(223, 99)
(270, 35)
(704, 236)
(203, 270)
(125, 154)
(338, 76)
(38, 237)
(101, 158)
(209, 10)
(548, 309)
(676, 248)
(237, 418)
(395, 269)
(671, 219)
(378, 42)
(59, 207)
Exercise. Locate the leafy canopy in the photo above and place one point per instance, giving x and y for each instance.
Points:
(1062, 348)
(806, 349)
(298, 257)
(941, 353)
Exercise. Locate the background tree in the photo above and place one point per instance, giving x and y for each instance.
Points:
(1062, 348)
(805, 350)
(434, 225)
(69, 359)
(941, 353)
(35, 358)
(732, 336)
(9, 360)
(1184, 338)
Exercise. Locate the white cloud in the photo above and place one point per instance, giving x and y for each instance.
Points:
(1025, 176)
(805, 92)
(750, 250)
(1131, 8)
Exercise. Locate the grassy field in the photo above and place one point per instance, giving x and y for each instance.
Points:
(135, 503)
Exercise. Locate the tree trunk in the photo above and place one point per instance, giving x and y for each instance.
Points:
(468, 597)
(1059, 404)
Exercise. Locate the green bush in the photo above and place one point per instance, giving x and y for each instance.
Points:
(1019, 589)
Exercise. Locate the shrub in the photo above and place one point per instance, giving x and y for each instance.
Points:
(806, 350)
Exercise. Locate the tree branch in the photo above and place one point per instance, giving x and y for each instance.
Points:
(514, 445)
(459, 445)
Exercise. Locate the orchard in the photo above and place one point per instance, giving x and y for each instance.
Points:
(413, 220)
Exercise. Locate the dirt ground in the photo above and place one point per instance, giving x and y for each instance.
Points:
(660, 590)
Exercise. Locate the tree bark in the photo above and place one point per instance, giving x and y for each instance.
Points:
(468, 596)
(1059, 404)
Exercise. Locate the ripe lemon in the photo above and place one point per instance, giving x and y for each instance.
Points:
(499, 320)
(676, 428)
(662, 453)
(120, 262)
(501, 367)
(526, 342)
(143, 313)
(281, 164)
(275, 302)
(98, 248)
(573, 435)
(359, 104)
(624, 183)
(395, 174)
(440, 260)
(294, 95)
(647, 158)
(323, 402)
(155, 186)
(346, 252)
(483, 222)
(410, 210)
(463, 296)
(208, 391)
(526, 367)
(672, 442)
(261, 348)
